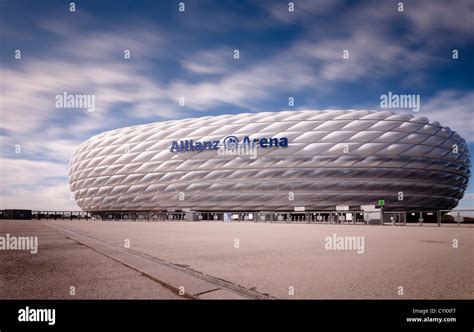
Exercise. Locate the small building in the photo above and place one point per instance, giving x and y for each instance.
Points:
(16, 214)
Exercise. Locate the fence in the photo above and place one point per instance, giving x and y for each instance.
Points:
(429, 218)
(396, 218)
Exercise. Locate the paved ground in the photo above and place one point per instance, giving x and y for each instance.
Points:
(277, 258)
(61, 263)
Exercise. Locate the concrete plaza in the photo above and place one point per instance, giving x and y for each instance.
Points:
(279, 260)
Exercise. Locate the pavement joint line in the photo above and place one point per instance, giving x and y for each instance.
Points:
(169, 286)
(224, 284)
(149, 276)
(207, 292)
(220, 284)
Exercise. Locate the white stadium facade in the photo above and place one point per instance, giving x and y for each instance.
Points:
(273, 161)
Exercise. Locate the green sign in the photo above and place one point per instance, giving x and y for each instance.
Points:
(381, 202)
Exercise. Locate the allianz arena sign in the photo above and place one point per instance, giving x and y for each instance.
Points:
(229, 143)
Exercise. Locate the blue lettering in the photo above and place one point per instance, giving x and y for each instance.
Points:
(215, 145)
(174, 146)
(190, 145)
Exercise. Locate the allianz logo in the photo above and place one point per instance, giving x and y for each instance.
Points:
(229, 143)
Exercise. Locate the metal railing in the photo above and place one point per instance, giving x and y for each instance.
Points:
(429, 217)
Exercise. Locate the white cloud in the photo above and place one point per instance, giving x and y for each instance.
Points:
(23, 173)
(304, 10)
(318, 66)
(53, 197)
(85, 64)
(29, 93)
(452, 109)
(209, 61)
(32, 184)
(244, 88)
(435, 17)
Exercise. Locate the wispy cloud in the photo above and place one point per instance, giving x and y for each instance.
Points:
(90, 67)
(453, 109)
(46, 136)
(34, 185)
(209, 61)
(302, 11)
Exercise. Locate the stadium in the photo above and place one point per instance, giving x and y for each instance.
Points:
(273, 161)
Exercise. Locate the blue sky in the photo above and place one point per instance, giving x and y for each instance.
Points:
(190, 54)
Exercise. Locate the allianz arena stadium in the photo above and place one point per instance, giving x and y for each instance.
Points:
(316, 160)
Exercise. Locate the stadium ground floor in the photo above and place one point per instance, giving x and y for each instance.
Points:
(377, 217)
